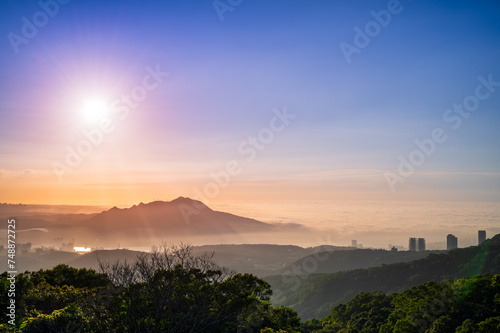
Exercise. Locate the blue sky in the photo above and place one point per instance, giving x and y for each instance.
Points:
(226, 77)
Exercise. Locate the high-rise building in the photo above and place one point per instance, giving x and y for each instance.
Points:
(421, 244)
(451, 242)
(413, 244)
(354, 243)
(481, 236)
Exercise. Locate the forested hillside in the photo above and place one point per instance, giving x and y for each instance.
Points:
(175, 291)
(468, 305)
(313, 296)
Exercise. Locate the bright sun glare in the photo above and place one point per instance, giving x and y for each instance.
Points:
(95, 109)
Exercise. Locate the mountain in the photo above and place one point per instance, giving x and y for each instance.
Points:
(179, 220)
(316, 294)
(180, 216)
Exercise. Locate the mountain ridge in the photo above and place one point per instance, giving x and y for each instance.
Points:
(181, 215)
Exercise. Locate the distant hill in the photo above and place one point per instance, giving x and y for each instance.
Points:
(316, 294)
(90, 260)
(337, 261)
(259, 259)
(35, 261)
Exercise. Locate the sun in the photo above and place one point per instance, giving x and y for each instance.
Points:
(95, 109)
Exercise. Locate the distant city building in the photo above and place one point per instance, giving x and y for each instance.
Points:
(421, 244)
(354, 243)
(481, 236)
(451, 242)
(413, 244)
(394, 249)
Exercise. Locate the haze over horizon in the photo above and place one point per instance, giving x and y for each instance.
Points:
(300, 112)
(374, 224)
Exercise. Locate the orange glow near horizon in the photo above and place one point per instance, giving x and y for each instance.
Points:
(30, 188)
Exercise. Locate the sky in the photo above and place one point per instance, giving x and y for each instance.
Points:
(119, 102)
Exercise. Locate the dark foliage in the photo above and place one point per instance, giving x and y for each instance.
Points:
(314, 295)
(174, 291)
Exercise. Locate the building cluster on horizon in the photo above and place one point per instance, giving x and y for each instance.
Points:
(417, 244)
(452, 240)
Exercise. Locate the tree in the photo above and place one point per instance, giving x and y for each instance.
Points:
(174, 291)
(68, 320)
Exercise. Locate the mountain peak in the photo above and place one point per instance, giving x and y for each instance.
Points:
(189, 201)
(182, 199)
(158, 204)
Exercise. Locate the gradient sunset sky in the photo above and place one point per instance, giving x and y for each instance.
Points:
(231, 70)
